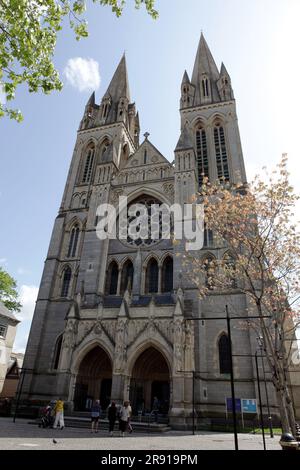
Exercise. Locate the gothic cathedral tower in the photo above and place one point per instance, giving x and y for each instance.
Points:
(117, 318)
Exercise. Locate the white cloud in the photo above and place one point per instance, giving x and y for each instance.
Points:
(22, 271)
(3, 260)
(28, 295)
(21, 339)
(83, 74)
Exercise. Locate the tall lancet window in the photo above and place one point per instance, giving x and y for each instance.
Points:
(205, 88)
(224, 354)
(151, 277)
(67, 274)
(167, 275)
(221, 153)
(126, 277)
(112, 279)
(202, 154)
(88, 164)
(208, 237)
(73, 241)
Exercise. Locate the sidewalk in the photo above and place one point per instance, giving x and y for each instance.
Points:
(21, 435)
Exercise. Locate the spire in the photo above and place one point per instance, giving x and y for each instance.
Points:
(204, 62)
(205, 66)
(89, 113)
(224, 85)
(185, 78)
(223, 70)
(91, 101)
(185, 140)
(119, 85)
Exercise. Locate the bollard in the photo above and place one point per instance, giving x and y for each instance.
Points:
(297, 432)
(288, 442)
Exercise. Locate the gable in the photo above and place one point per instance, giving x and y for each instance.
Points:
(146, 154)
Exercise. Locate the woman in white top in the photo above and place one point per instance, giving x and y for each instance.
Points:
(125, 413)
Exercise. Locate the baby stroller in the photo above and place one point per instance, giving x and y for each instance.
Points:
(47, 418)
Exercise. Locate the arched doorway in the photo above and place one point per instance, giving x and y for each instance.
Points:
(93, 381)
(150, 378)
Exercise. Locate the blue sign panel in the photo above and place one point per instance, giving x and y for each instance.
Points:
(238, 405)
(249, 405)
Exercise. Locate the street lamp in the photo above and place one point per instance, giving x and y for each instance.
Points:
(260, 342)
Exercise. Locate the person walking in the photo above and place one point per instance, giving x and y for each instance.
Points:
(95, 416)
(124, 417)
(112, 416)
(59, 414)
(129, 426)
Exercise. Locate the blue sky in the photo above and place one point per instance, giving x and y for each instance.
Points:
(258, 42)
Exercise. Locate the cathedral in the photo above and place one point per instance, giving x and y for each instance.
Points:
(119, 319)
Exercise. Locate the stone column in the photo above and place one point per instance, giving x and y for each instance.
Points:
(159, 278)
(117, 388)
(119, 379)
(119, 281)
(137, 274)
(177, 413)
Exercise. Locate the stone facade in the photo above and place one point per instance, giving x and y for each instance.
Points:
(93, 334)
(8, 330)
(12, 377)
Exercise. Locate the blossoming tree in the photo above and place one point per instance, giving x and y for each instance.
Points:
(256, 224)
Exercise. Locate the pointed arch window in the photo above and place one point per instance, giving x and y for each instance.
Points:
(104, 147)
(112, 279)
(224, 354)
(106, 102)
(125, 153)
(105, 111)
(221, 153)
(88, 165)
(208, 237)
(202, 155)
(126, 276)
(151, 277)
(57, 352)
(73, 242)
(167, 275)
(67, 275)
(102, 156)
(205, 87)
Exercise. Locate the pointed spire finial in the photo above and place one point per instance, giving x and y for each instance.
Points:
(185, 78)
(185, 140)
(204, 66)
(223, 70)
(119, 86)
(91, 100)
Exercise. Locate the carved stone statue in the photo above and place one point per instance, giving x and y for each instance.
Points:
(70, 334)
(120, 349)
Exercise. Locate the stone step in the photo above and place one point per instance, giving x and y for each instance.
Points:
(162, 419)
(83, 422)
(137, 426)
